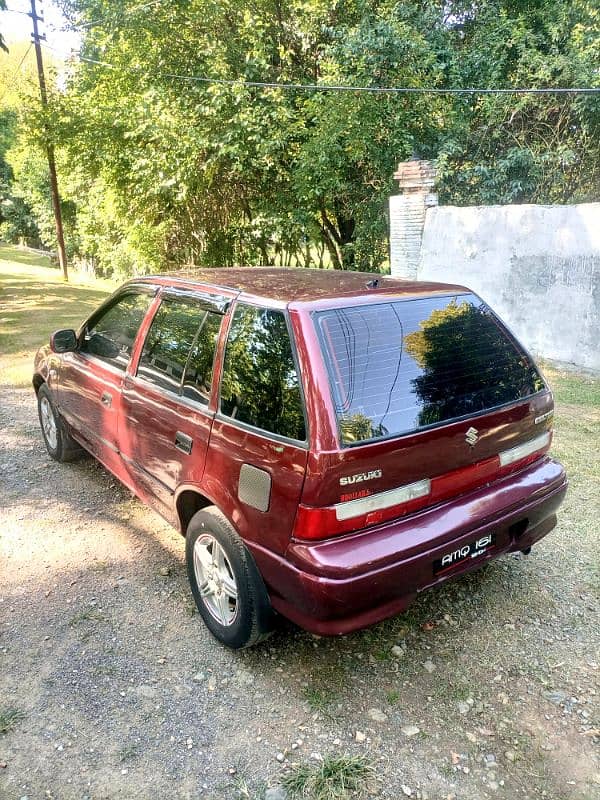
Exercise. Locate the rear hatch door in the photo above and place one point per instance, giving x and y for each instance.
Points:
(428, 393)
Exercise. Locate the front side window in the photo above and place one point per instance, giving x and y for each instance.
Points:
(111, 335)
(400, 366)
(179, 350)
(260, 385)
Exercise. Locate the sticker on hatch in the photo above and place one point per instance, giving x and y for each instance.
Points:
(459, 555)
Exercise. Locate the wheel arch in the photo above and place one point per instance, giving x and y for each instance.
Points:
(37, 381)
(188, 502)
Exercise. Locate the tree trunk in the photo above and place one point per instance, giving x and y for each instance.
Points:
(338, 238)
(331, 239)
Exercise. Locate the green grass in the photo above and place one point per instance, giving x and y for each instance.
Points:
(320, 698)
(9, 717)
(87, 615)
(24, 256)
(242, 790)
(36, 301)
(393, 697)
(335, 778)
(572, 389)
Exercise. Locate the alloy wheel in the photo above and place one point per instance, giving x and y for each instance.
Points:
(216, 581)
(48, 423)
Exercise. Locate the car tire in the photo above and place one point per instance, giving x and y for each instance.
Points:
(59, 443)
(228, 589)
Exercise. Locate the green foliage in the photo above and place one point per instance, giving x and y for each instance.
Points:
(529, 148)
(158, 171)
(18, 220)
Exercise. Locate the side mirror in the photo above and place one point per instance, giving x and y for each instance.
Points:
(64, 341)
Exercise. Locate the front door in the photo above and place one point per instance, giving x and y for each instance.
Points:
(165, 418)
(90, 379)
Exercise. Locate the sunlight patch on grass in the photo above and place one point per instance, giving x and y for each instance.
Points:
(570, 388)
(34, 302)
(22, 255)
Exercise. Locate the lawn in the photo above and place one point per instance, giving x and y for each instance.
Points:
(34, 301)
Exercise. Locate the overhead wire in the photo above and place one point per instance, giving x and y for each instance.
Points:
(326, 87)
(316, 87)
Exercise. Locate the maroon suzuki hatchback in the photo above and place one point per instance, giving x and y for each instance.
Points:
(329, 445)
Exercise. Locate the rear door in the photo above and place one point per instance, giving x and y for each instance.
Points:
(258, 444)
(166, 419)
(428, 389)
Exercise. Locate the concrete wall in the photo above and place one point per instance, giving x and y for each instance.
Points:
(537, 266)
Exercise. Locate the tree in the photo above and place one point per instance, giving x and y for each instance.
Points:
(353, 140)
(524, 149)
(162, 169)
(18, 220)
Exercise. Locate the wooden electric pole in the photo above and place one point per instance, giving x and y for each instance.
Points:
(62, 255)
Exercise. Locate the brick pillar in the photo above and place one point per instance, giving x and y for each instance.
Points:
(416, 179)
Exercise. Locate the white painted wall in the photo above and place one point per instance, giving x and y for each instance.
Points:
(537, 266)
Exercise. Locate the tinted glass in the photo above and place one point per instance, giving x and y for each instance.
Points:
(397, 367)
(260, 383)
(199, 369)
(169, 343)
(111, 335)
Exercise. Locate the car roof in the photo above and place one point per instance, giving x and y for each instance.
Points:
(287, 285)
(291, 285)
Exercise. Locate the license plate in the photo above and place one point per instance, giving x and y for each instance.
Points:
(466, 552)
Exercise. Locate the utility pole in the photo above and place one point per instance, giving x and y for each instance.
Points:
(62, 255)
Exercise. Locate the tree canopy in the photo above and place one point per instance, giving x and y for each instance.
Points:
(158, 168)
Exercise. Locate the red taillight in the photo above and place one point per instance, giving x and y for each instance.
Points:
(323, 523)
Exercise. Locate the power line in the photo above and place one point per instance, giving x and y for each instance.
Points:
(322, 87)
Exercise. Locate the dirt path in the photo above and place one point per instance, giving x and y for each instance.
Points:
(488, 687)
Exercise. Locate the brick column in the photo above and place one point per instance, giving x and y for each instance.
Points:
(416, 179)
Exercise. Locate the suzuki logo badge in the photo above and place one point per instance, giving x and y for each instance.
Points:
(471, 436)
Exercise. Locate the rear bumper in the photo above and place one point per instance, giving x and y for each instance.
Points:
(342, 584)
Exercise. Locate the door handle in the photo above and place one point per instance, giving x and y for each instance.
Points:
(106, 399)
(183, 442)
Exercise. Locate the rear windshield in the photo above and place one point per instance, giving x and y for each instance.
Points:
(400, 366)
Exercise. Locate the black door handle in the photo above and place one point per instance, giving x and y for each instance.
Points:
(106, 399)
(183, 442)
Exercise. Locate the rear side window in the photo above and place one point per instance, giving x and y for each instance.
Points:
(199, 369)
(397, 367)
(179, 349)
(110, 335)
(260, 385)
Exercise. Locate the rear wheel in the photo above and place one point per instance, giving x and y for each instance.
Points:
(59, 444)
(227, 587)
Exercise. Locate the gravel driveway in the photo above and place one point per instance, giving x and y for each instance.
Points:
(110, 687)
